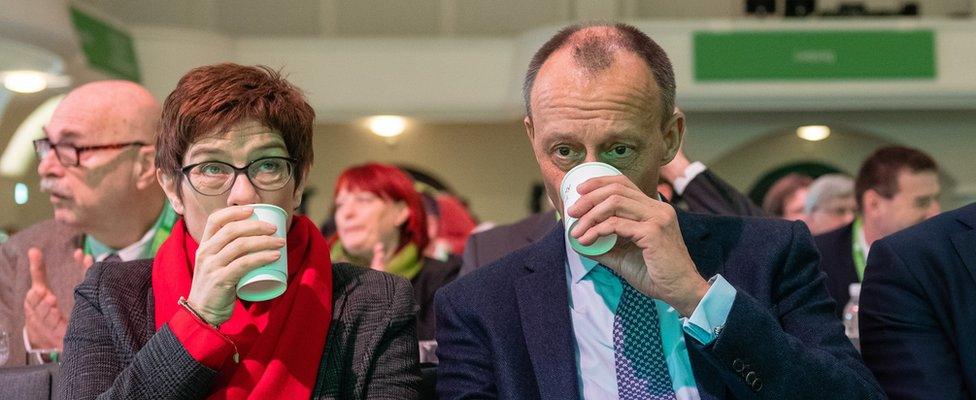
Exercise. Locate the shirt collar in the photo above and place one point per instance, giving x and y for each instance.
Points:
(579, 266)
(140, 249)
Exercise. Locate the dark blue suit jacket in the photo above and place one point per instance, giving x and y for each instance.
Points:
(837, 261)
(504, 331)
(918, 309)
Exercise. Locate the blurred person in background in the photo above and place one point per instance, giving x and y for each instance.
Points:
(895, 188)
(786, 197)
(97, 164)
(173, 327)
(695, 188)
(381, 223)
(455, 224)
(830, 203)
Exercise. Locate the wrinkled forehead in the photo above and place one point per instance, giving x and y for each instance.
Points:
(79, 123)
(241, 140)
(626, 85)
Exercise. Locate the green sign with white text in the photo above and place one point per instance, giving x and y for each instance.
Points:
(106, 47)
(814, 55)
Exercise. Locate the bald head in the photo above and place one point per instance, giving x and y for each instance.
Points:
(594, 49)
(114, 110)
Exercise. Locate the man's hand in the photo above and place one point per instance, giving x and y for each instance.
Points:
(45, 322)
(650, 253)
(232, 245)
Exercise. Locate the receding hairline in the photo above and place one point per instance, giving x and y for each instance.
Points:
(595, 48)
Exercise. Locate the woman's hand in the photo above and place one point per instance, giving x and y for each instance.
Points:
(232, 245)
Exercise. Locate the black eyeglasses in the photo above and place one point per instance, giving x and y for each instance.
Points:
(69, 155)
(214, 178)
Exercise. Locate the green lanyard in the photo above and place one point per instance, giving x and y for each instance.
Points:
(860, 260)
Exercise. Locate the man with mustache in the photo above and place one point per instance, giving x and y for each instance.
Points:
(97, 164)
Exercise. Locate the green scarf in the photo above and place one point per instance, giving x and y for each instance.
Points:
(405, 263)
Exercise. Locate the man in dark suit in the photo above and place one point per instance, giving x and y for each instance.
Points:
(684, 306)
(897, 187)
(918, 309)
(694, 189)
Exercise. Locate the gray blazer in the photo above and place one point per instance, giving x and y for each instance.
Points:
(113, 351)
(58, 243)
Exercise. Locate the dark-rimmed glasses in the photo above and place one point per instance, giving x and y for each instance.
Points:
(214, 178)
(69, 155)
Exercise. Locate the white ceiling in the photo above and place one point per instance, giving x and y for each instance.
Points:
(400, 18)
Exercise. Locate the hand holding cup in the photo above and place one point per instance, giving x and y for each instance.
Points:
(232, 245)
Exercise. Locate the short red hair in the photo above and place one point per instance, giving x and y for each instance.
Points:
(212, 98)
(390, 183)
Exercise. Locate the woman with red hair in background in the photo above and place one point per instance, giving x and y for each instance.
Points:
(381, 223)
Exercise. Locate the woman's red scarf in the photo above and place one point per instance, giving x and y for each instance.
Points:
(280, 341)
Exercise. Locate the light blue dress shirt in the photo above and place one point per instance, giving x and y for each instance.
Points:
(594, 294)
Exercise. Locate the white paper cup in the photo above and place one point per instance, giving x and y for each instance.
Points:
(569, 194)
(271, 280)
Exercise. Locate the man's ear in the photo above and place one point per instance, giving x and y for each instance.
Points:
(170, 186)
(673, 134)
(871, 202)
(529, 128)
(144, 169)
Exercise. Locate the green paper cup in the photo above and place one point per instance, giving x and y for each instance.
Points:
(268, 281)
(569, 194)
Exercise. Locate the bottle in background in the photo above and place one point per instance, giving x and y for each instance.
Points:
(850, 315)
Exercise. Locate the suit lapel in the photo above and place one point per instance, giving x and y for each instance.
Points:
(542, 224)
(965, 242)
(543, 299)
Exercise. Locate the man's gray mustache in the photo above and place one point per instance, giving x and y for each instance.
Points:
(51, 186)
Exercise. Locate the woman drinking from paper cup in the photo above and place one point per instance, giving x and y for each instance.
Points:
(242, 301)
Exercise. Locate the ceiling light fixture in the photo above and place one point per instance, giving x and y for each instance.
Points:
(387, 126)
(24, 81)
(813, 133)
(27, 81)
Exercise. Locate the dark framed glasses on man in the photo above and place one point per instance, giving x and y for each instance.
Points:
(69, 155)
(214, 178)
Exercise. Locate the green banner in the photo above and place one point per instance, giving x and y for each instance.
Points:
(814, 55)
(106, 47)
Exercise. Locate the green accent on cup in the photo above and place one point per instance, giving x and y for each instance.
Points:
(268, 281)
(602, 244)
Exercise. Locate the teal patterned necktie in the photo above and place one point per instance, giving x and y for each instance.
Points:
(642, 371)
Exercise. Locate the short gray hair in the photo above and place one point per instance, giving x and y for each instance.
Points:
(828, 187)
